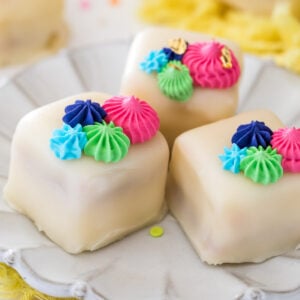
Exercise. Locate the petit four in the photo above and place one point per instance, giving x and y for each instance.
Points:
(190, 79)
(89, 169)
(239, 203)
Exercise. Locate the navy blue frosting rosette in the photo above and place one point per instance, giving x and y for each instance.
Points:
(253, 134)
(84, 113)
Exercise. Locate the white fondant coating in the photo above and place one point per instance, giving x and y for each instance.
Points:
(205, 105)
(83, 204)
(227, 217)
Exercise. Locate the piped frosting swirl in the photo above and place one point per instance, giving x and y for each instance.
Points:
(212, 65)
(232, 157)
(106, 142)
(84, 113)
(172, 55)
(262, 165)
(67, 143)
(138, 119)
(154, 61)
(287, 143)
(253, 134)
(175, 81)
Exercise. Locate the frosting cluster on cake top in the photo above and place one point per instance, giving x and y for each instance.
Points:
(183, 66)
(104, 132)
(261, 154)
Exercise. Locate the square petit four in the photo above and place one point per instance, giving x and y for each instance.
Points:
(190, 79)
(88, 174)
(239, 203)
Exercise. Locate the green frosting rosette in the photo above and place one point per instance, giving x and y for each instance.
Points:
(262, 165)
(106, 142)
(175, 81)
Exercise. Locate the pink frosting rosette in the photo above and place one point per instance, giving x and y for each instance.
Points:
(138, 119)
(212, 65)
(287, 143)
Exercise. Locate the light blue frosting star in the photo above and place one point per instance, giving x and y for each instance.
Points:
(67, 143)
(154, 62)
(232, 157)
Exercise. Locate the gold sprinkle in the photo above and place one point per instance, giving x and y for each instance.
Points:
(174, 66)
(178, 45)
(226, 58)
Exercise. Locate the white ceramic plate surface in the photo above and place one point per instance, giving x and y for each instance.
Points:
(139, 266)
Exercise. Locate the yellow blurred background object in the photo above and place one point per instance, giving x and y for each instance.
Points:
(275, 35)
(264, 7)
(13, 287)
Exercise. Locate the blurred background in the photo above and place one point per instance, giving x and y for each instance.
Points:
(31, 29)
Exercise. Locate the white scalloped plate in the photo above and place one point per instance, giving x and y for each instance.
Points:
(139, 266)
